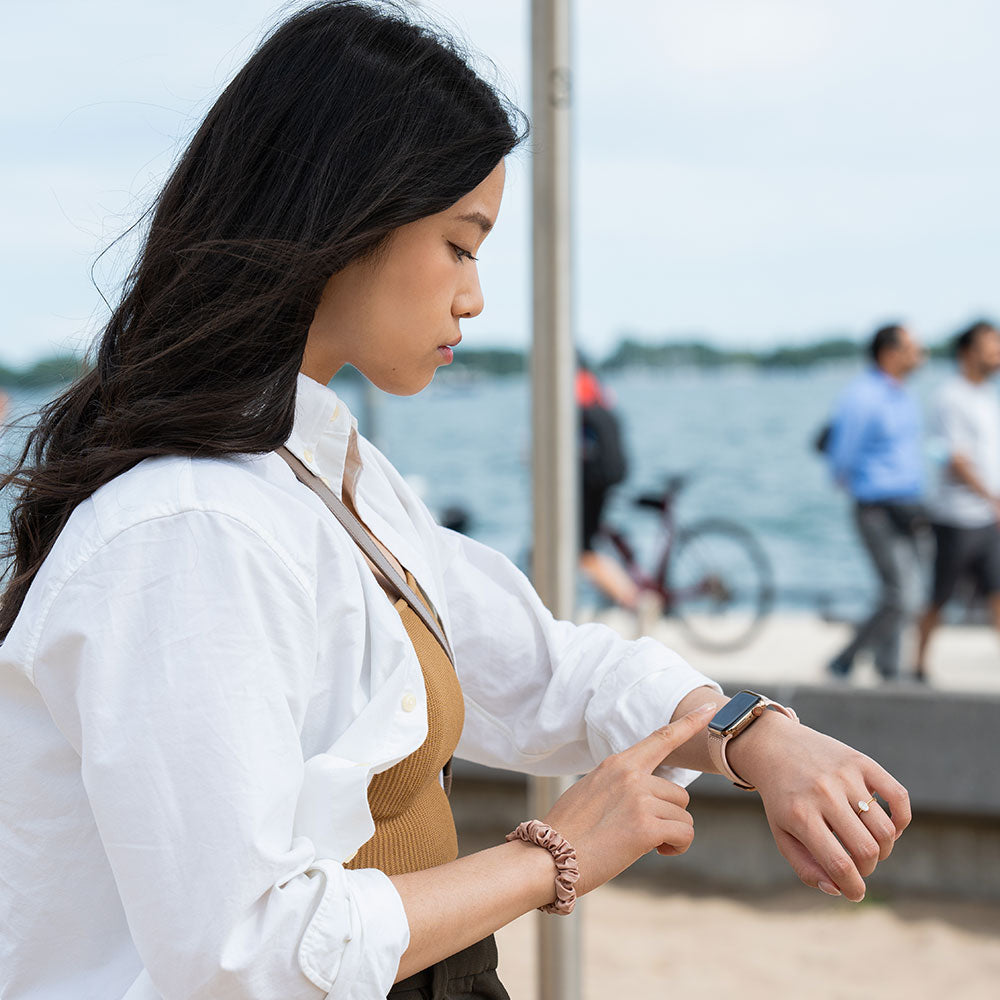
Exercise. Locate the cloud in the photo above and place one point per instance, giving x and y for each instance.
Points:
(743, 166)
(718, 41)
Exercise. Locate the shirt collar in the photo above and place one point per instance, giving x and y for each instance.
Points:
(885, 378)
(324, 435)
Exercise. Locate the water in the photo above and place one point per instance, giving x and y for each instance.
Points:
(746, 435)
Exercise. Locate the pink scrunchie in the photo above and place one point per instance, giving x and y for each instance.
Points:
(534, 831)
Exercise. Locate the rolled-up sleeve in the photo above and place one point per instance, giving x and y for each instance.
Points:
(177, 660)
(544, 696)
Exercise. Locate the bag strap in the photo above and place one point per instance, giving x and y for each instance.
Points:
(367, 545)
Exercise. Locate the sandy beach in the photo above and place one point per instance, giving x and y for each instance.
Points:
(641, 942)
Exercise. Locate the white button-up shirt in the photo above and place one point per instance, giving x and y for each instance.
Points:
(203, 679)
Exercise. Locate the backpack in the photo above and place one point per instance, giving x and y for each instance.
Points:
(821, 442)
(601, 449)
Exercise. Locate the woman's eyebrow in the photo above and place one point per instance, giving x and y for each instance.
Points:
(478, 219)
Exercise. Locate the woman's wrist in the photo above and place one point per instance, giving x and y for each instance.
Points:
(538, 867)
(452, 906)
(761, 747)
(567, 874)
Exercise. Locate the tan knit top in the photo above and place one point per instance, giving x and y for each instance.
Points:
(414, 827)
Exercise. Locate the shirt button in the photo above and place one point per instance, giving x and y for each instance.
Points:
(409, 702)
(335, 412)
(325, 481)
(308, 455)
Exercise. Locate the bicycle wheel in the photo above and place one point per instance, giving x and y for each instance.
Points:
(720, 584)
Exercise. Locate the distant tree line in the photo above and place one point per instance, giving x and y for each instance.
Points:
(494, 360)
(46, 372)
(632, 353)
(629, 353)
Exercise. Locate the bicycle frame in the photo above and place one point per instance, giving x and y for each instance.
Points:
(704, 575)
(669, 596)
(667, 533)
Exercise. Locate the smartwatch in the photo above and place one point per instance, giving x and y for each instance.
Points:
(742, 710)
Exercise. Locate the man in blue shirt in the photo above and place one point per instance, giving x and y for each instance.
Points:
(876, 455)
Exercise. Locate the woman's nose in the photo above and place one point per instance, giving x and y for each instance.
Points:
(469, 301)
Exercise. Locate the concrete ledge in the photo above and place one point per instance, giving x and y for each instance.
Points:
(942, 746)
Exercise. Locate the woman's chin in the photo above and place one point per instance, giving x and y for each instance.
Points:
(398, 386)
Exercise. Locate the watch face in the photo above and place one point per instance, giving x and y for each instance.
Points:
(733, 711)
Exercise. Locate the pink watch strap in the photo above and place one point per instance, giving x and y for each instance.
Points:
(717, 742)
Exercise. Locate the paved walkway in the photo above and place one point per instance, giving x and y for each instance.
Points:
(796, 647)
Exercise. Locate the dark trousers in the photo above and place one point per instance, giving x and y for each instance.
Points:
(895, 556)
(471, 973)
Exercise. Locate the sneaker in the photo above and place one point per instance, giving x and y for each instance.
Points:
(838, 668)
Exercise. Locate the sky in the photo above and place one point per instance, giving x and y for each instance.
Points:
(747, 172)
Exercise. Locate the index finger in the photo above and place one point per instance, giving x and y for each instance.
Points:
(650, 752)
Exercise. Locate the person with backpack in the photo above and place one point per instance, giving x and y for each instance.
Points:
(603, 465)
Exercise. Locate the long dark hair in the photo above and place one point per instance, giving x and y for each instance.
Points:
(349, 121)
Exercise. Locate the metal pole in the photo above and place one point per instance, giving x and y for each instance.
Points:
(554, 427)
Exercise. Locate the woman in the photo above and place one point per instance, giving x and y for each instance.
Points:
(223, 744)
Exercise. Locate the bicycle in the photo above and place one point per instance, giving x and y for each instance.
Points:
(713, 576)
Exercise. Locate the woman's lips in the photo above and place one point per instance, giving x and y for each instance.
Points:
(447, 350)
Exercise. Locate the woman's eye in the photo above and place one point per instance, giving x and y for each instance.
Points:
(462, 254)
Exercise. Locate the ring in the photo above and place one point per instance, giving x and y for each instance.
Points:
(863, 806)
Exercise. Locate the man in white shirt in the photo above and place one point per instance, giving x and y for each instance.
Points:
(966, 510)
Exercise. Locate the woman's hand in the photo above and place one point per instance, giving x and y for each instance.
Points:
(811, 785)
(612, 816)
(621, 810)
